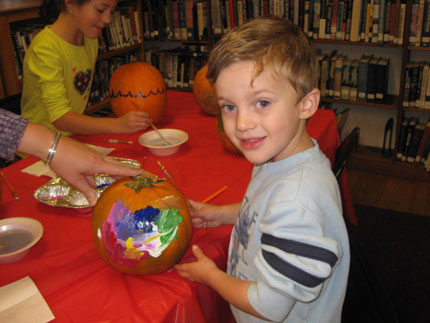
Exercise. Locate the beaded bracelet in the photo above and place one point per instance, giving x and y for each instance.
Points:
(53, 149)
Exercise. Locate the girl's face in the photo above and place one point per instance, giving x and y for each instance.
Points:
(265, 119)
(92, 16)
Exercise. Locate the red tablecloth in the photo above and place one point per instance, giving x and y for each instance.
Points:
(79, 287)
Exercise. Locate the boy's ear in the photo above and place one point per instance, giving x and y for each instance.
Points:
(309, 104)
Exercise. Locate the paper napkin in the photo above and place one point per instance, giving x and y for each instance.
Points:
(21, 301)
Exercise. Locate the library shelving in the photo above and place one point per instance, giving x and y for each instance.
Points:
(360, 26)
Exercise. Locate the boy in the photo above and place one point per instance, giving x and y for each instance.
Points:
(289, 253)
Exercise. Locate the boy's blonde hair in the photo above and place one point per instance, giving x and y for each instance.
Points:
(269, 42)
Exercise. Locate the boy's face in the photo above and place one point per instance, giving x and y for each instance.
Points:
(91, 17)
(265, 120)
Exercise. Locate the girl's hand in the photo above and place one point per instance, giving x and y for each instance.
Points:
(133, 121)
(199, 270)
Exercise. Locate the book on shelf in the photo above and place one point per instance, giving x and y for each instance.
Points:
(402, 138)
(414, 76)
(387, 21)
(338, 66)
(427, 90)
(331, 73)
(420, 102)
(425, 39)
(355, 20)
(420, 23)
(423, 142)
(409, 131)
(371, 79)
(401, 23)
(363, 71)
(375, 21)
(381, 79)
(415, 8)
(407, 86)
(353, 80)
(416, 135)
(346, 79)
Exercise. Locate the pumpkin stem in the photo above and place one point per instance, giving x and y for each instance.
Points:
(142, 180)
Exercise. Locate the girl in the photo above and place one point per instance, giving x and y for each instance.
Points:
(59, 69)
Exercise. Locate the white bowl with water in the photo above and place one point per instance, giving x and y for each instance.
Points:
(158, 146)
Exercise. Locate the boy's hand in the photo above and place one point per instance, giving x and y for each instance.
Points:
(204, 215)
(199, 270)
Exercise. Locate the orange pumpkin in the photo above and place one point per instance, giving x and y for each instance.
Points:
(138, 86)
(204, 93)
(222, 135)
(141, 225)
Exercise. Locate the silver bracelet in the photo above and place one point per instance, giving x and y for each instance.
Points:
(53, 149)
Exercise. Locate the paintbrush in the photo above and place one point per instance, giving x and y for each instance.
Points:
(9, 186)
(160, 134)
(172, 180)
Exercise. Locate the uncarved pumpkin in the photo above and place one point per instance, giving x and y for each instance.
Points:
(205, 93)
(141, 225)
(222, 135)
(138, 86)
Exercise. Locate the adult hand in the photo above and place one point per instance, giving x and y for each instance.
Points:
(76, 163)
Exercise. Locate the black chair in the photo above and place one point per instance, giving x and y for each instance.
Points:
(344, 151)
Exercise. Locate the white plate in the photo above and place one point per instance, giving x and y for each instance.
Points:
(17, 236)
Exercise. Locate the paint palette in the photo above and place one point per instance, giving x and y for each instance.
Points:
(57, 192)
(17, 236)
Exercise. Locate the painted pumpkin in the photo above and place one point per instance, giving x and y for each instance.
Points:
(222, 135)
(204, 93)
(141, 225)
(138, 86)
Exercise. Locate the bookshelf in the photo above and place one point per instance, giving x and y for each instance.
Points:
(396, 22)
(178, 36)
(17, 12)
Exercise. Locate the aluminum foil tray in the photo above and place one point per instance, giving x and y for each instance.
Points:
(57, 192)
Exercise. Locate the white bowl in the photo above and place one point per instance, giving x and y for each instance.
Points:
(158, 147)
(17, 236)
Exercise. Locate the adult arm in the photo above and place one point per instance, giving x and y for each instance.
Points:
(73, 161)
(12, 127)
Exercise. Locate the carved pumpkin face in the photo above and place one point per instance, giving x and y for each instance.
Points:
(138, 86)
(141, 225)
(204, 93)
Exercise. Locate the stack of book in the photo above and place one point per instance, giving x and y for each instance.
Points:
(419, 34)
(175, 20)
(178, 66)
(414, 142)
(123, 31)
(22, 36)
(417, 85)
(363, 79)
(373, 21)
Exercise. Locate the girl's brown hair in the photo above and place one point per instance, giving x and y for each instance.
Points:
(269, 42)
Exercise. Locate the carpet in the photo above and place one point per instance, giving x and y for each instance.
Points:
(398, 245)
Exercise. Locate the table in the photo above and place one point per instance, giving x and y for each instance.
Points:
(79, 287)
